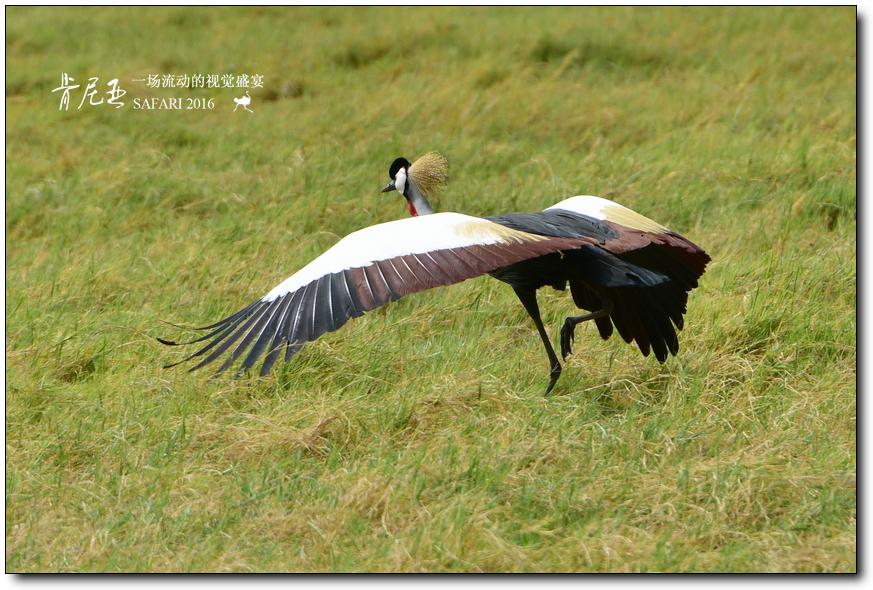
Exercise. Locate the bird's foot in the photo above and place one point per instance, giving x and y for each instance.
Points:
(567, 336)
(553, 378)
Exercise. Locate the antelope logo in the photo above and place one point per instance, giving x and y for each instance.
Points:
(245, 100)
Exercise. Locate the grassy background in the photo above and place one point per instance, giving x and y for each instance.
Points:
(416, 438)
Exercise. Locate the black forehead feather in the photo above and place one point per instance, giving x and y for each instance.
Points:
(396, 166)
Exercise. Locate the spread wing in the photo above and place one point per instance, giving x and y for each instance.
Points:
(643, 311)
(363, 271)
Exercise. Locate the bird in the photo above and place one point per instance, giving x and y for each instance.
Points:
(628, 272)
(245, 100)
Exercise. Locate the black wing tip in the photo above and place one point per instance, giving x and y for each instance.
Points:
(167, 342)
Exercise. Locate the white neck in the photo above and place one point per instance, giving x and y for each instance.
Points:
(418, 200)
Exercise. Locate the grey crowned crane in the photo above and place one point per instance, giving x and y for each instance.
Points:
(626, 270)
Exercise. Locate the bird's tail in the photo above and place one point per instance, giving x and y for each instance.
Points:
(649, 315)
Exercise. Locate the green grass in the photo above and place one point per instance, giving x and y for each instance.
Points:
(416, 438)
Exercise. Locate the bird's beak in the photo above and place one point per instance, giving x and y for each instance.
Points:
(389, 187)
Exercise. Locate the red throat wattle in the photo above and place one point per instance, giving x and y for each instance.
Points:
(412, 210)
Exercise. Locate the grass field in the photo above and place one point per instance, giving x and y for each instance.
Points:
(416, 438)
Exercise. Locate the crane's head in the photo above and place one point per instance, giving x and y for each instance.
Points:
(419, 181)
(400, 166)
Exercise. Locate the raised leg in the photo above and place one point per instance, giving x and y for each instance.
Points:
(529, 300)
(569, 327)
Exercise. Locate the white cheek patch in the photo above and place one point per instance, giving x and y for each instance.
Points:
(400, 180)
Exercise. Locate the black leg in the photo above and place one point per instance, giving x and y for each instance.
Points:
(529, 300)
(569, 327)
